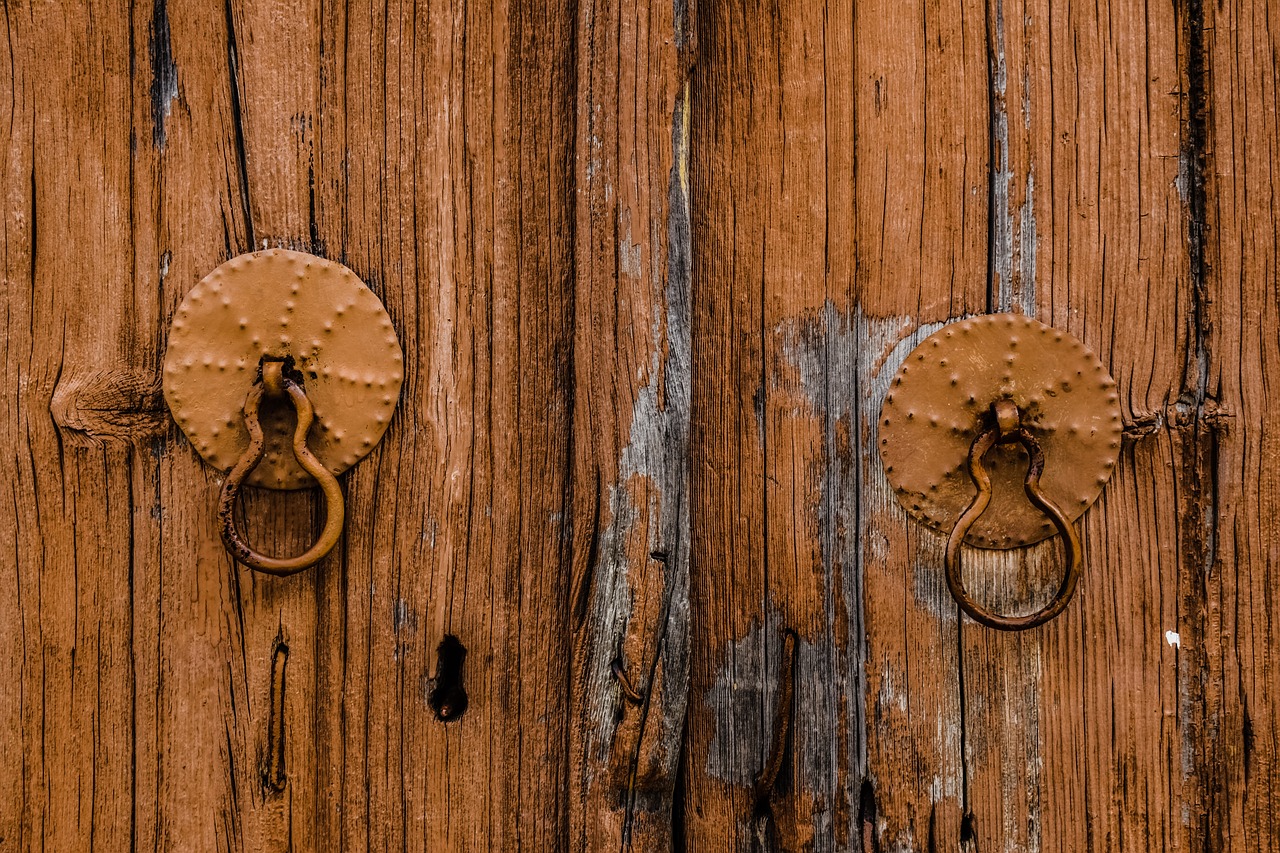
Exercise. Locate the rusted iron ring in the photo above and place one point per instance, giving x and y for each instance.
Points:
(276, 382)
(1006, 429)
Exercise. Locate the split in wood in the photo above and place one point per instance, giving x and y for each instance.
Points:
(867, 817)
(273, 774)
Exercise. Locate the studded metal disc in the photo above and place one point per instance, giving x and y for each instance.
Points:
(941, 399)
(280, 303)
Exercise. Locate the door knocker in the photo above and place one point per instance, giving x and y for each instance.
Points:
(1001, 431)
(284, 370)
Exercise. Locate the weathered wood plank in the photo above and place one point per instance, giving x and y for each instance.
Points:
(1073, 732)
(1236, 416)
(923, 231)
(272, 91)
(758, 571)
(839, 195)
(147, 662)
(630, 594)
(81, 421)
(212, 627)
(446, 181)
(22, 768)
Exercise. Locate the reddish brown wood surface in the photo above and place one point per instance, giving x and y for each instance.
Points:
(829, 188)
(629, 592)
(1234, 410)
(652, 266)
(1087, 716)
(1064, 176)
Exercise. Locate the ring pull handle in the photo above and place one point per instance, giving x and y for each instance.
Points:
(1008, 429)
(276, 383)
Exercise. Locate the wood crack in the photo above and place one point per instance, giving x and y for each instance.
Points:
(237, 123)
(273, 772)
(164, 73)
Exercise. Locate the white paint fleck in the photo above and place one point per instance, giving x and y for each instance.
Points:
(1002, 175)
(1173, 639)
(403, 618)
(889, 695)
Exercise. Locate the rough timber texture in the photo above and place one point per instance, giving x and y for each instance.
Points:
(652, 267)
(1073, 734)
(840, 207)
(630, 598)
(1066, 161)
(444, 134)
(1234, 407)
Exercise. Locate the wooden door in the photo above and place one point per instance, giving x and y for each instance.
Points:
(652, 267)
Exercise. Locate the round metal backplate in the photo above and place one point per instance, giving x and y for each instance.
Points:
(281, 304)
(941, 399)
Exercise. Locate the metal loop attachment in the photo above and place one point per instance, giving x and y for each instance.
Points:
(1006, 429)
(275, 382)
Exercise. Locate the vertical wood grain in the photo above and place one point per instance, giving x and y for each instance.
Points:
(629, 597)
(839, 196)
(68, 618)
(652, 267)
(1075, 732)
(923, 228)
(272, 91)
(1234, 410)
(206, 733)
(446, 182)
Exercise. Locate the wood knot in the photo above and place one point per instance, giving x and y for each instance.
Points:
(109, 405)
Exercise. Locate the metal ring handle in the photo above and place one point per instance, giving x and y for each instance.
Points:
(984, 442)
(274, 382)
